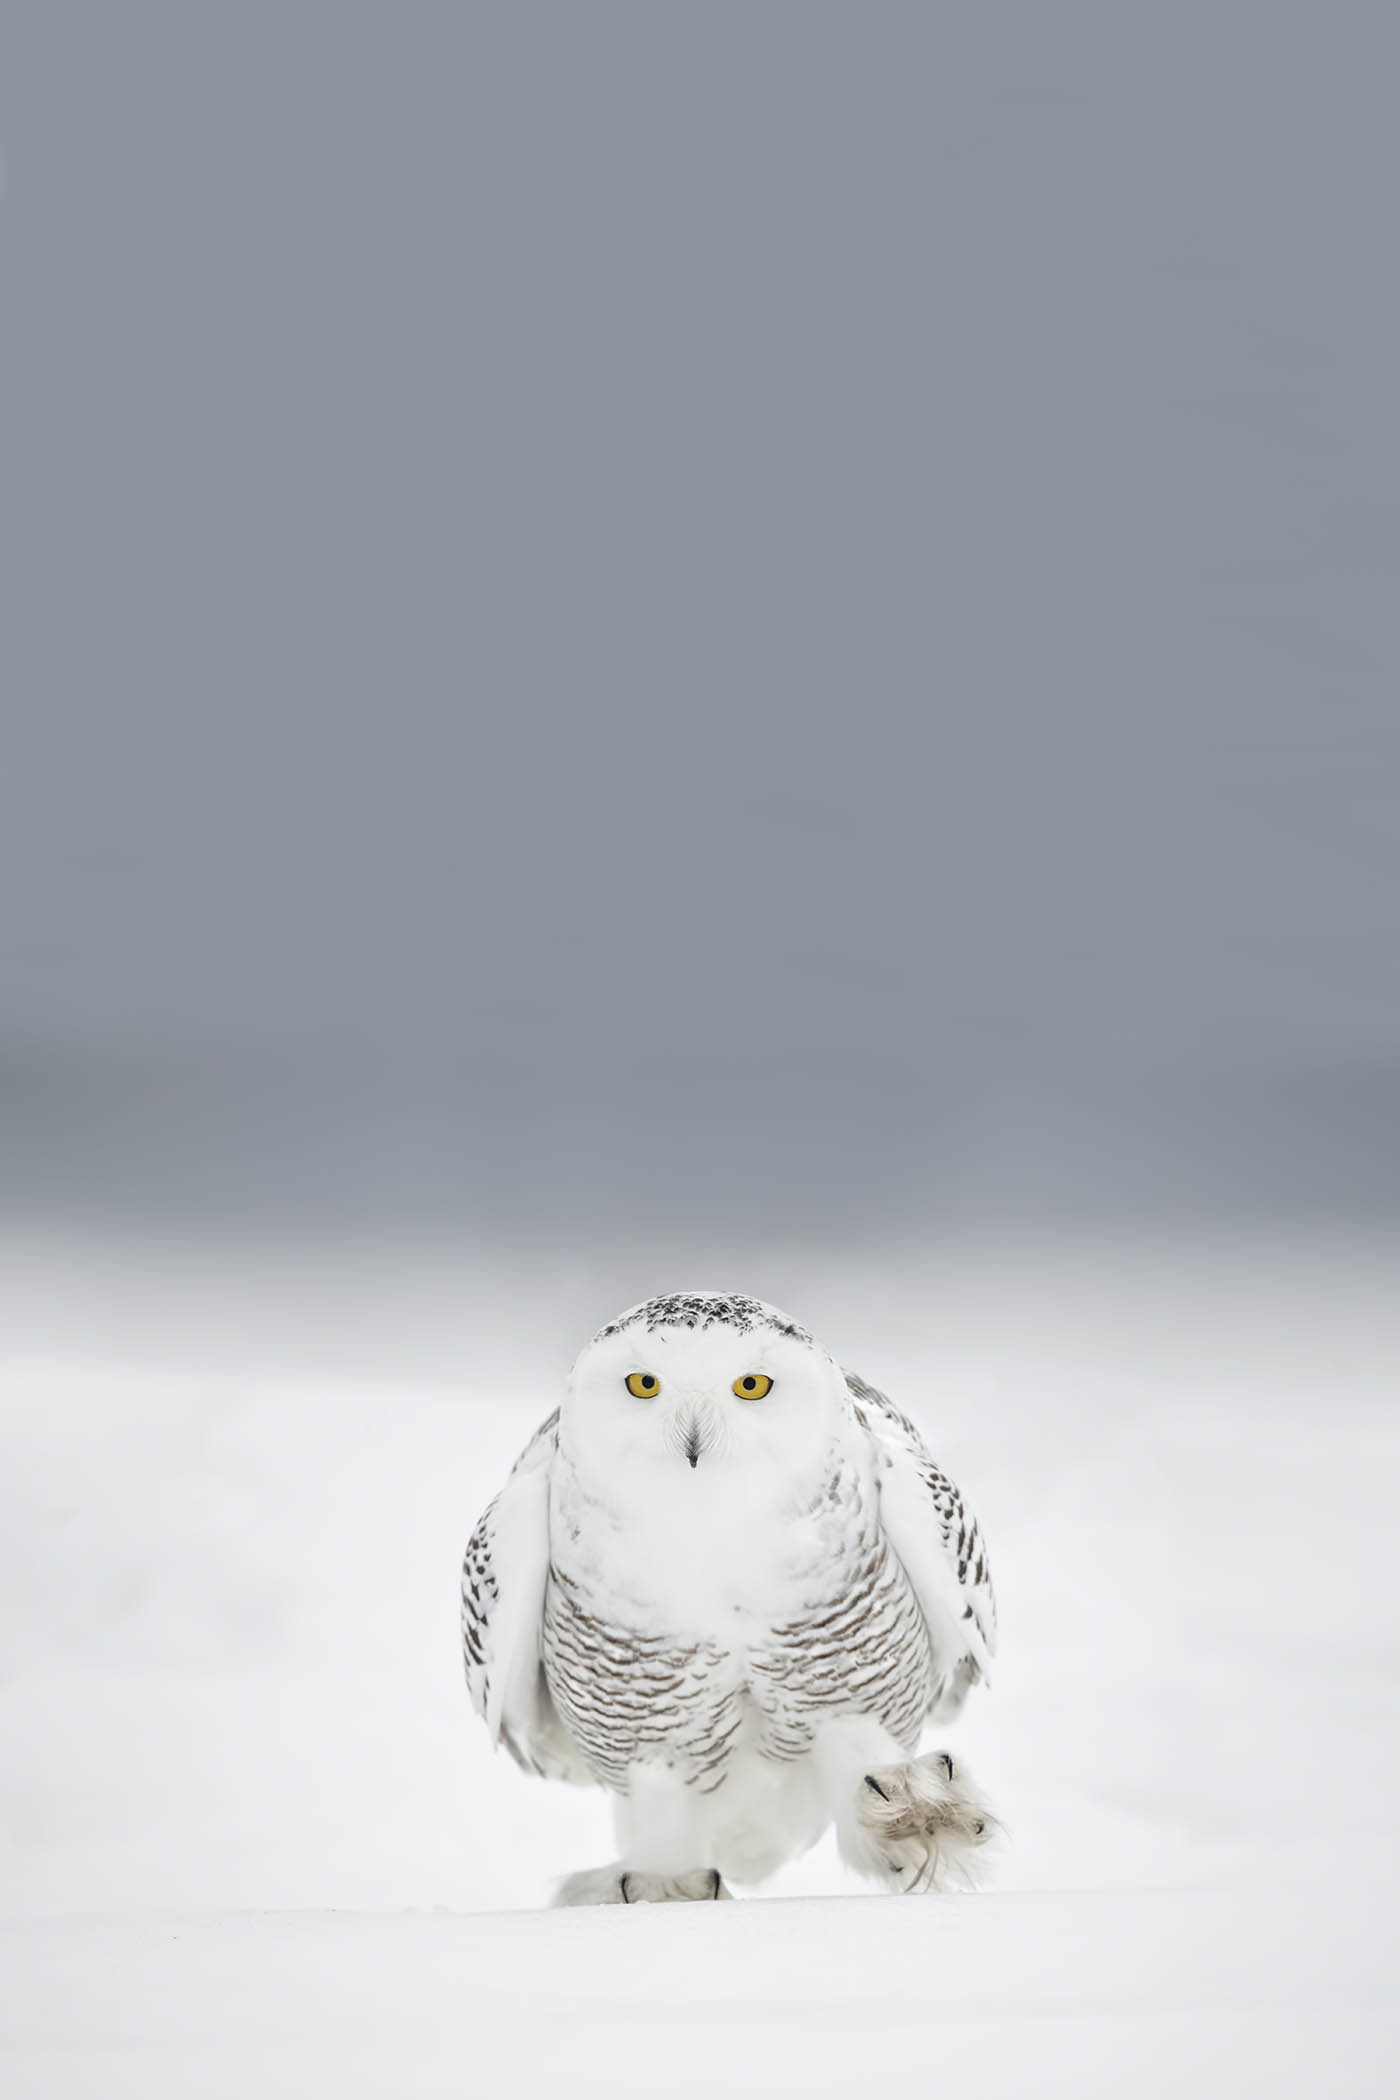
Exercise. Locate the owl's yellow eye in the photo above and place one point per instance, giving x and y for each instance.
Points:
(643, 1386)
(753, 1386)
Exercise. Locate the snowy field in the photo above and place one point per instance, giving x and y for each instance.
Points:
(254, 1843)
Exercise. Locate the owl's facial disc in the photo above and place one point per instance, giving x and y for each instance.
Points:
(685, 1379)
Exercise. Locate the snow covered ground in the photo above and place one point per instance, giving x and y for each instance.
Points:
(252, 1841)
(1126, 1992)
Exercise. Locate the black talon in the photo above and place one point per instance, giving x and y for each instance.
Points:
(716, 1884)
(625, 1897)
(875, 1787)
(977, 1829)
(946, 1762)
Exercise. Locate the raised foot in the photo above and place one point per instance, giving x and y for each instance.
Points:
(613, 1885)
(921, 1825)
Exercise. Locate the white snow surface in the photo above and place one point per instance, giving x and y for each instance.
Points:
(253, 1841)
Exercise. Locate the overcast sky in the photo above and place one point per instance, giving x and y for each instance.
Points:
(758, 602)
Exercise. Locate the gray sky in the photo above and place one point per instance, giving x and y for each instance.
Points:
(699, 603)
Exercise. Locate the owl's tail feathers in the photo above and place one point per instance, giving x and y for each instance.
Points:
(618, 1884)
(951, 1689)
(541, 1744)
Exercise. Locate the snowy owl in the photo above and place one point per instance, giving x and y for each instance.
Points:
(726, 1583)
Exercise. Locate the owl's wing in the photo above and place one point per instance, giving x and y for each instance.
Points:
(503, 1584)
(939, 1544)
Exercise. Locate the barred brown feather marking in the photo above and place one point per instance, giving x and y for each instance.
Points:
(626, 1696)
(866, 1646)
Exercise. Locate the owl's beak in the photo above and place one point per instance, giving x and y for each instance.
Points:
(691, 1430)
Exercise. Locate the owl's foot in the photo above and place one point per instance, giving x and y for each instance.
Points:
(921, 1825)
(618, 1885)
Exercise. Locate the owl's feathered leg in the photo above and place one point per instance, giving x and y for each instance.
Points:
(908, 1823)
(662, 1824)
(920, 1825)
(618, 1884)
(667, 1844)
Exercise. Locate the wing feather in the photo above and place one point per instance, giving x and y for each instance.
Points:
(504, 1576)
(940, 1545)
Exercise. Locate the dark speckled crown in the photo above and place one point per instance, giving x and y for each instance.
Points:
(700, 1310)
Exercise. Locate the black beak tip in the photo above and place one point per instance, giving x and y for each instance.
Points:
(694, 1457)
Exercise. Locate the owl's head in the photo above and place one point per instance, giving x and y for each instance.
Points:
(702, 1380)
